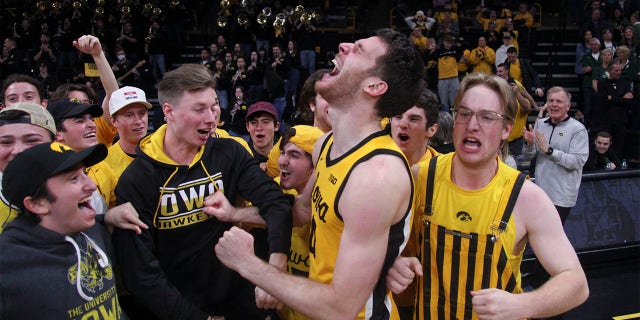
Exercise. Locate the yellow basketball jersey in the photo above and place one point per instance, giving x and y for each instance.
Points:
(327, 224)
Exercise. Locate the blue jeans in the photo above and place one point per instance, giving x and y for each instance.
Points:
(158, 67)
(280, 104)
(308, 60)
(262, 44)
(222, 98)
(447, 89)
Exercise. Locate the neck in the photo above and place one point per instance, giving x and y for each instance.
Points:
(127, 147)
(473, 177)
(263, 150)
(415, 156)
(558, 120)
(178, 151)
(320, 125)
(351, 125)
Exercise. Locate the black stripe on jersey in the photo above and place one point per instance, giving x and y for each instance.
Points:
(486, 262)
(455, 274)
(440, 257)
(357, 147)
(470, 278)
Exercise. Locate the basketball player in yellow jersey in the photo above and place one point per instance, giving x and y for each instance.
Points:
(478, 216)
(359, 197)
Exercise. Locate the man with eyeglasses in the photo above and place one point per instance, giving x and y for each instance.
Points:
(477, 216)
(561, 147)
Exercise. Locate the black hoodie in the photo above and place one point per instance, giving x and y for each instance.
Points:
(39, 274)
(172, 268)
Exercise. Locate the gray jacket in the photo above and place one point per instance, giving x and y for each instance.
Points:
(560, 173)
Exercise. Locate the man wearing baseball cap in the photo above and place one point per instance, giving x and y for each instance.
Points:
(129, 112)
(55, 239)
(295, 167)
(262, 124)
(22, 126)
(77, 129)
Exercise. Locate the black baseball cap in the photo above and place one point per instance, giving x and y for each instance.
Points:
(68, 108)
(32, 167)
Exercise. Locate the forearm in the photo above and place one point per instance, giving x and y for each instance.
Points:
(108, 80)
(528, 150)
(301, 211)
(248, 215)
(559, 294)
(524, 103)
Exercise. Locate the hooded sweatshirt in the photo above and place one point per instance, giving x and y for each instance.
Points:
(172, 268)
(44, 274)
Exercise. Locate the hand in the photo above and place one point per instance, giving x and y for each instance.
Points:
(235, 248)
(628, 95)
(89, 45)
(496, 304)
(541, 140)
(528, 135)
(218, 205)
(266, 301)
(126, 217)
(402, 273)
(539, 92)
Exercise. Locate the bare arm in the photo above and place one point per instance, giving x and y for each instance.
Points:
(218, 205)
(363, 243)
(302, 204)
(567, 287)
(91, 45)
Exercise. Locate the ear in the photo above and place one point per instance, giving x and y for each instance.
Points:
(276, 126)
(375, 87)
(114, 122)
(507, 130)
(59, 137)
(36, 206)
(312, 106)
(432, 130)
(167, 110)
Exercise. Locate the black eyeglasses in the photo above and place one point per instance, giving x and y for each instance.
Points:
(485, 118)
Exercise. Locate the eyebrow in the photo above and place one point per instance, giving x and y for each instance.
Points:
(359, 45)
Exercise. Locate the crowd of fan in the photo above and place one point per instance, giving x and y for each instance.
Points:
(255, 57)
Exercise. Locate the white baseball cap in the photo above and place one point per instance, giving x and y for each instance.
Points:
(126, 96)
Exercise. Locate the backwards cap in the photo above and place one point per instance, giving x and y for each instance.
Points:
(31, 113)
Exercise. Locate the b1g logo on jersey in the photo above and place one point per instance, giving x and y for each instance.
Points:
(182, 205)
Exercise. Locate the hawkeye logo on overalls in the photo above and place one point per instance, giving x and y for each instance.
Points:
(182, 206)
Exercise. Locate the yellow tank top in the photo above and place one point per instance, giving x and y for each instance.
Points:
(521, 119)
(327, 224)
(468, 239)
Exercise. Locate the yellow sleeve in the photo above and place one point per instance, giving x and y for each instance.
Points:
(106, 132)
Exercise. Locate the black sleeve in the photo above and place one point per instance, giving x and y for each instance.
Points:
(140, 270)
(591, 163)
(275, 208)
(614, 158)
(532, 72)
